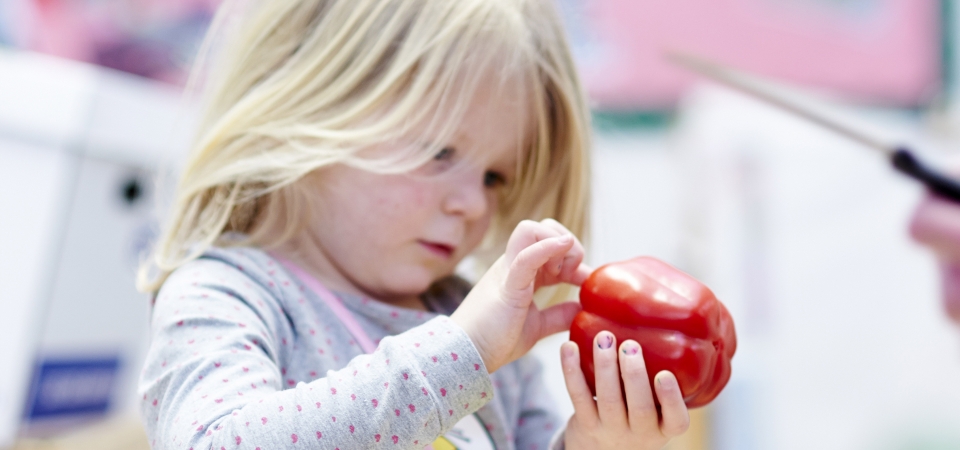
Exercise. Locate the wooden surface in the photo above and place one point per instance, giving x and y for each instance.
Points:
(112, 434)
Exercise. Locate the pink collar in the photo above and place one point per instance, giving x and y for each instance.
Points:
(342, 313)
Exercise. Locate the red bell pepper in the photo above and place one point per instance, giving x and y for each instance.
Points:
(678, 322)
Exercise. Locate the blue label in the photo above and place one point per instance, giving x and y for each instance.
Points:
(67, 387)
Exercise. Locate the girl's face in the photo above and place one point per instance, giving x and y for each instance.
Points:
(391, 236)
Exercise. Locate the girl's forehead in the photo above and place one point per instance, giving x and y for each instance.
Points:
(499, 115)
(493, 133)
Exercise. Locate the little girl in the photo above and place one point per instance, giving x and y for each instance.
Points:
(353, 154)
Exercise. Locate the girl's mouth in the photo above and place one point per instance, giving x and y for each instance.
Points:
(439, 249)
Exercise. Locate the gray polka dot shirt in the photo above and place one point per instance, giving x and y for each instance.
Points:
(245, 356)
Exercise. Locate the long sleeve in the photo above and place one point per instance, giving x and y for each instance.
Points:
(216, 375)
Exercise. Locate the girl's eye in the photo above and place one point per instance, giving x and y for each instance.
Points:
(493, 179)
(444, 154)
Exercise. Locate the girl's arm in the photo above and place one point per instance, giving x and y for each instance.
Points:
(214, 377)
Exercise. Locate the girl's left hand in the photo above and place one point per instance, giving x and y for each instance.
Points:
(608, 423)
(499, 315)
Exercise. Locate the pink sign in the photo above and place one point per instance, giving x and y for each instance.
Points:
(873, 51)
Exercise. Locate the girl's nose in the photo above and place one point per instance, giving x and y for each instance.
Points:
(467, 197)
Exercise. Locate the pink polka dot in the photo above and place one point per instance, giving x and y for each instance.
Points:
(263, 420)
(454, 356)
(376, 437)
(333, 391)
(281, 408)
(319, 435)
(239, 440)
(374, 401)
(397, 412)
(443, 392)
(395, 439)
(299, 408)
(294, 438)
(352, 429)
(411, 407)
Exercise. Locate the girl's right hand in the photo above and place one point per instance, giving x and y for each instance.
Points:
(499, 314)
(608, 423)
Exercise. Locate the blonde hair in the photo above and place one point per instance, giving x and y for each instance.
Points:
(309, 83)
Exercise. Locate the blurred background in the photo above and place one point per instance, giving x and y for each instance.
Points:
(843, 344)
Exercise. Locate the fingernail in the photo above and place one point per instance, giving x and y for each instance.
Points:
(664, 386)
(568, 349)
(605, 341)
(630, 348)
(565, 238)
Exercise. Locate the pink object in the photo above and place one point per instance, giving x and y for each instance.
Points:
(876, 51)
(936, 224)
(333, 302)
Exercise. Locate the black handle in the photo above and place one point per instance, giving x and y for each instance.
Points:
(938, 183)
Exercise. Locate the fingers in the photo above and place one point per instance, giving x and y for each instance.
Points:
(569, 266)
(612, 411)
(640, 405)
(676, 418)
(585, 410)
(523, 270)
(526, 234)
(580, 275)
(561, 267)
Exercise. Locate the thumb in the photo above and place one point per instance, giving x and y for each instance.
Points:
(557, 318)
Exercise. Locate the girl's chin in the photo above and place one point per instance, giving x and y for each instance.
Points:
(415, 284)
